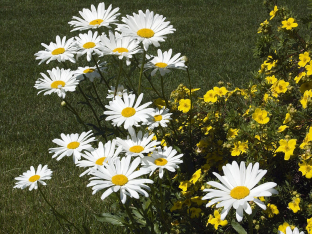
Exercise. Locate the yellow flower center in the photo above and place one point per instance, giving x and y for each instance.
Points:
(160, 161)
(136, 149)
(161, 65)
(96, 22)
(73, 145)
(128, 112)
(58, 51)
(119, 180)
(57, 83)
(100, 161)
(157, 118)
(121, 50)
(34, 178)
(239, 192)
(88, 45)
(88, 70)
(146, 33)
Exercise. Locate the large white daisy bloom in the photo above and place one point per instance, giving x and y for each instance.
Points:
(120, 175)
(120, 46)
(137, 144)
(120, 91)
(61, 51)
(123, 110)
(162, 159)
(163, 62)
(88, 44)
(72, 144)
(146, 28)
(289, 231)
(59, 81)
(32, 177)
(159, 117)
(90, 72)
(96, 158)
(95, 18)
(238, 188)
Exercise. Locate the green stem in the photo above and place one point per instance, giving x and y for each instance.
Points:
(141, 72)
(70, 108)
(163, 91)
(250, 224)
(102, 77)
(117, 81)
(55, 211)
(190, 111)
(97, 96)
(131, 217)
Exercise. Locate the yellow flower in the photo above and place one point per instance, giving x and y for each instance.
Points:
(216, 220)
(287, 147)
(260, 116)
(192, 90)
(232, 133)
(287, 118)
(309, 69)
(283, 227)
(184, 105)
(309, 226)
(305, 86)
(282, 128)
(271, 64)
(220, 91)
(304, 59)
(306, 98)
(306, 169)
(210, 96)
(176, 206)
(271, 210)
(273, 13)
(195, 212)
(239, 148)
(280, 86)
(198, 200)
(289, 24)
(299, 76)
(195, 176)
(160, 103)
(294, 205)
(271, 79)
(206, 129)
(184, 185)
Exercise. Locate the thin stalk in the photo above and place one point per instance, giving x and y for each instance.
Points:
(102, 77)
(97, 95)
(250, 224)
(162, 202)
(131, 217)
(141, 72)
(55, 211)
(70, 108)
(190, 111)
(163, 91)
(117, 81)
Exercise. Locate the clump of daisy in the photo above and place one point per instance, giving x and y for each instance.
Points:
(96, 157)
(159, 118)
(59, 81)
(148, 28)
(120, 91)
(95, 18)
(163, 62)
(238, 189)
(31, 177)
(124, 111)
(120, 175)
(161, 159)
(61, 51)
(72, 145)
(138, 144)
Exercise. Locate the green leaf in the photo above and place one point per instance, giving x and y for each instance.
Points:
(238, 228)
(109, 218)
(146, 204)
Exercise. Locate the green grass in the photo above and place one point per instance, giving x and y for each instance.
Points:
(217, 36)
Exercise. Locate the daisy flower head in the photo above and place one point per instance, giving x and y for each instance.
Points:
(148, 28)
(120, 46)
(61, 51)
(138, 144)
(96, 158)
(124, 111)
(237, 189)
(289, 231)
(163, 62)
(120, 175)
(159, 118)
(72, 144)
(88, 43)
(31, 177)
(120, 91)
(161, 159)
(89, 72)
(59, 81)
(95, 18)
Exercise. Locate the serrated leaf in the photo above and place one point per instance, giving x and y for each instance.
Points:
(238, 228)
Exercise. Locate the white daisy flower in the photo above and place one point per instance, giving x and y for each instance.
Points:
(120, 46)
(96, 158)
(90, 72)
(60, 51)
(120, 175)
(146, 28)
(137, 144)
(32, 177)
(59, 81)
(72, 144)
(120, 91)
(163, 62)
(237, 189)
(159, 117)
(123, 110)
(88, 44)
(289, 231)
(162, 159)
(95, 18)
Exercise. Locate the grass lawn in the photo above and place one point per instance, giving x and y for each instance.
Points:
(217, 36)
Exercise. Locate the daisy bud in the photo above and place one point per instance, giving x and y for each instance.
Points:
(63, 103)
